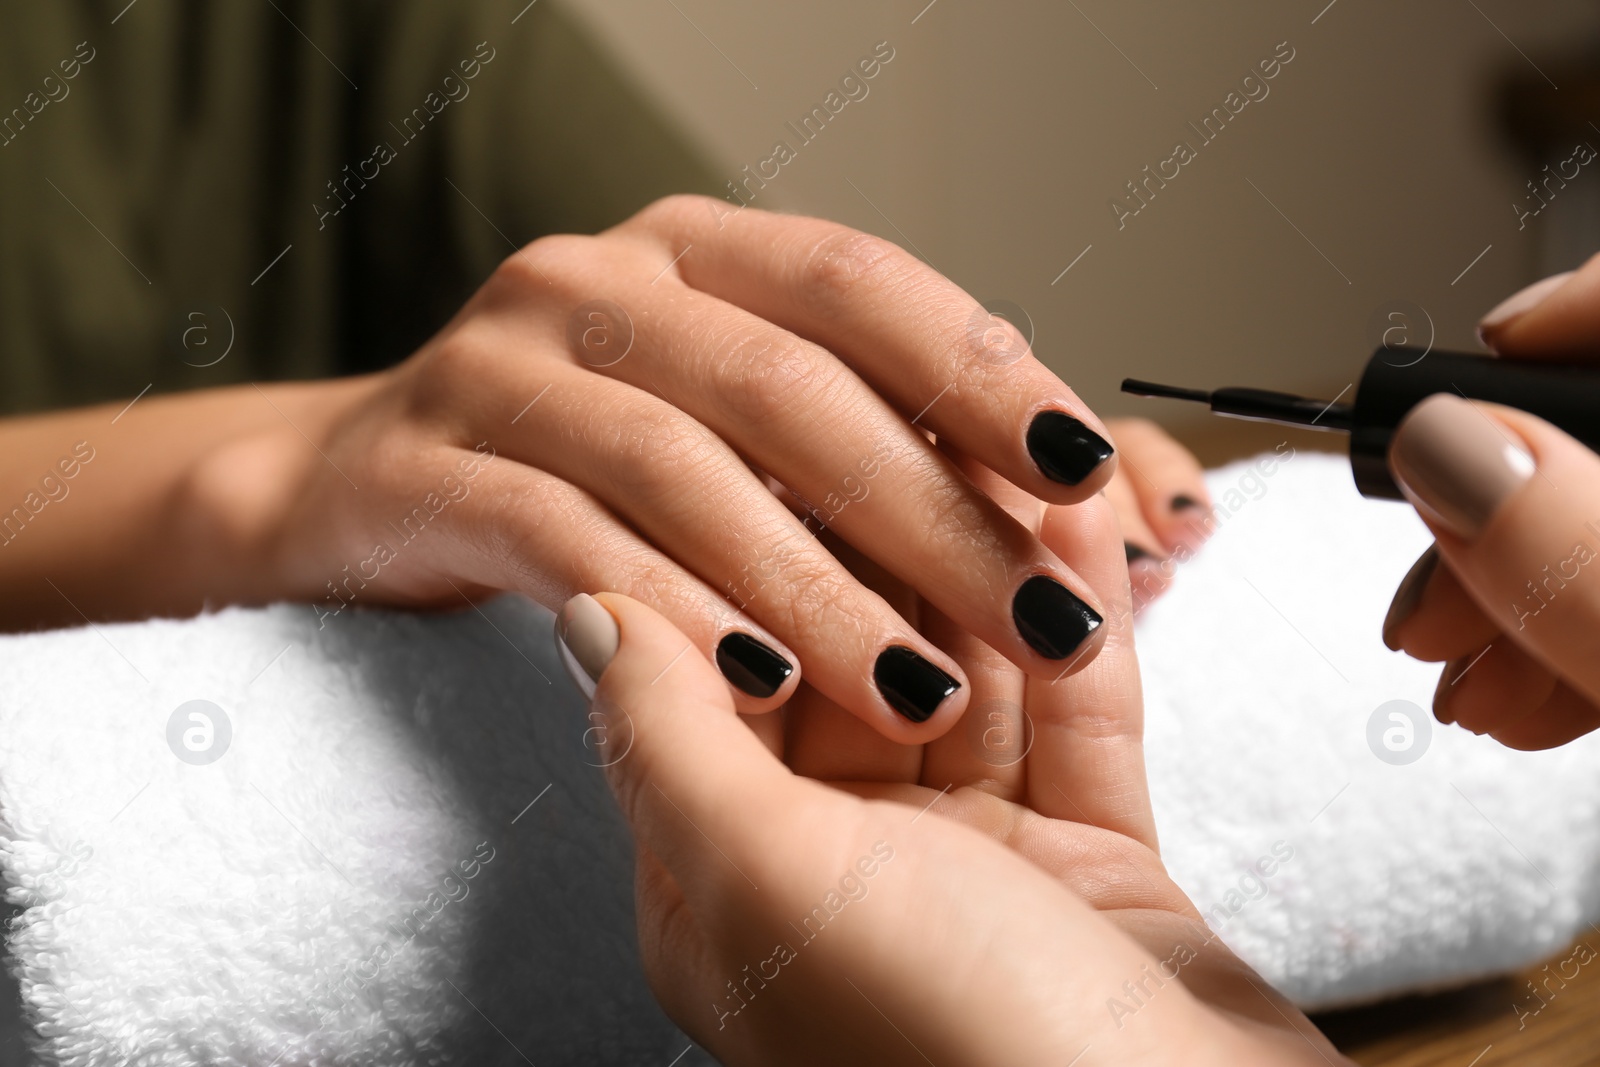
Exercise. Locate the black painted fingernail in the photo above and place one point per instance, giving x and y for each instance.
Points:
(751, 665)
(1065, 449)
(1183, 502)
(912, 686)
(1134, 552)
(1051, 618)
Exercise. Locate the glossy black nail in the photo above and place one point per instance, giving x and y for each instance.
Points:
(1051, 618)
(912, 686)
(1183, 502)
(1065, 449)
(1134, 552)
(752, 666)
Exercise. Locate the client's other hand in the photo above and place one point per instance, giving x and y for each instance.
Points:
(993, 897)
(1514, 505)
(1162, 504)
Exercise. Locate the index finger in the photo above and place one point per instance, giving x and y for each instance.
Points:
(917, 338)
(1556, 318)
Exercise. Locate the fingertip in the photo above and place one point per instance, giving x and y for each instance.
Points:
(1185, 520)
(762, 673)
(1518, 304)
(1149, 576)
(1408, 597)
(649, 650)
(1554, 318)
(1069, 448)
(926, 694)
(587, 639)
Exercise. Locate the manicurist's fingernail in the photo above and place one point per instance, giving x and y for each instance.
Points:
(1457, 463)
(913, 686)
(1408, 595)
(1065, 449)
(1051, 618)
(1446, 689)
(751, 665)
(1521, 302)
(587, 636)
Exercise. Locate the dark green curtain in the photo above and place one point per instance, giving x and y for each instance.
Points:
(156, 160)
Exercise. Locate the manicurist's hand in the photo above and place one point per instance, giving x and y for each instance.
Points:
(1509, 595)
(613, 412)
(993, 897)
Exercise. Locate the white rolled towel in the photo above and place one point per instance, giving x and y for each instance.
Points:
(383, 842)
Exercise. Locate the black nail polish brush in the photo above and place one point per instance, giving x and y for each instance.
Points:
(1398, 378)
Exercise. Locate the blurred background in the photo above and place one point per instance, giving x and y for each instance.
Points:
(1385, 160)
(175, 199)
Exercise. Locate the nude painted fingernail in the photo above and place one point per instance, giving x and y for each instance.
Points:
(587, 636)
(1456, 463)
(1408, 595)
(1520, 302)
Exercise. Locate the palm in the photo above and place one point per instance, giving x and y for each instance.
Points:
(1026, 912)
(1053, 771)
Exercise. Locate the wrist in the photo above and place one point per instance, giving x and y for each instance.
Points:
(243, 507)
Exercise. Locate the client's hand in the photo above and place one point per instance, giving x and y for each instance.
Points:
(994, 898)
(601, 416)
(1514, 504)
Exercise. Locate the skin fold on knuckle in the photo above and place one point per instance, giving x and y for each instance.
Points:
(961, 526)
(652, 451)
(534, 267)
(842, 268)
(772, 378)
(671, 215)
(821, 601)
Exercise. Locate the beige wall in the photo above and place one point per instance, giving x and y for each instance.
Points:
(999, 132)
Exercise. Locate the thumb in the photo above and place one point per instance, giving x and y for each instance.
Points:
(692, 779)
(1514, 504)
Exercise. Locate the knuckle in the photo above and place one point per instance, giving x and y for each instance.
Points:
(775, 375)
(842, 264)
(517, 534)
(670, 209)
(444, 373)
(536, 266)
(817, 595)
(956, 519)
(455, 355)
(658, 449)
(651, 578)
(956, 516)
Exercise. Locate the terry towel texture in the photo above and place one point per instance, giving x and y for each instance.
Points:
(403, 854)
